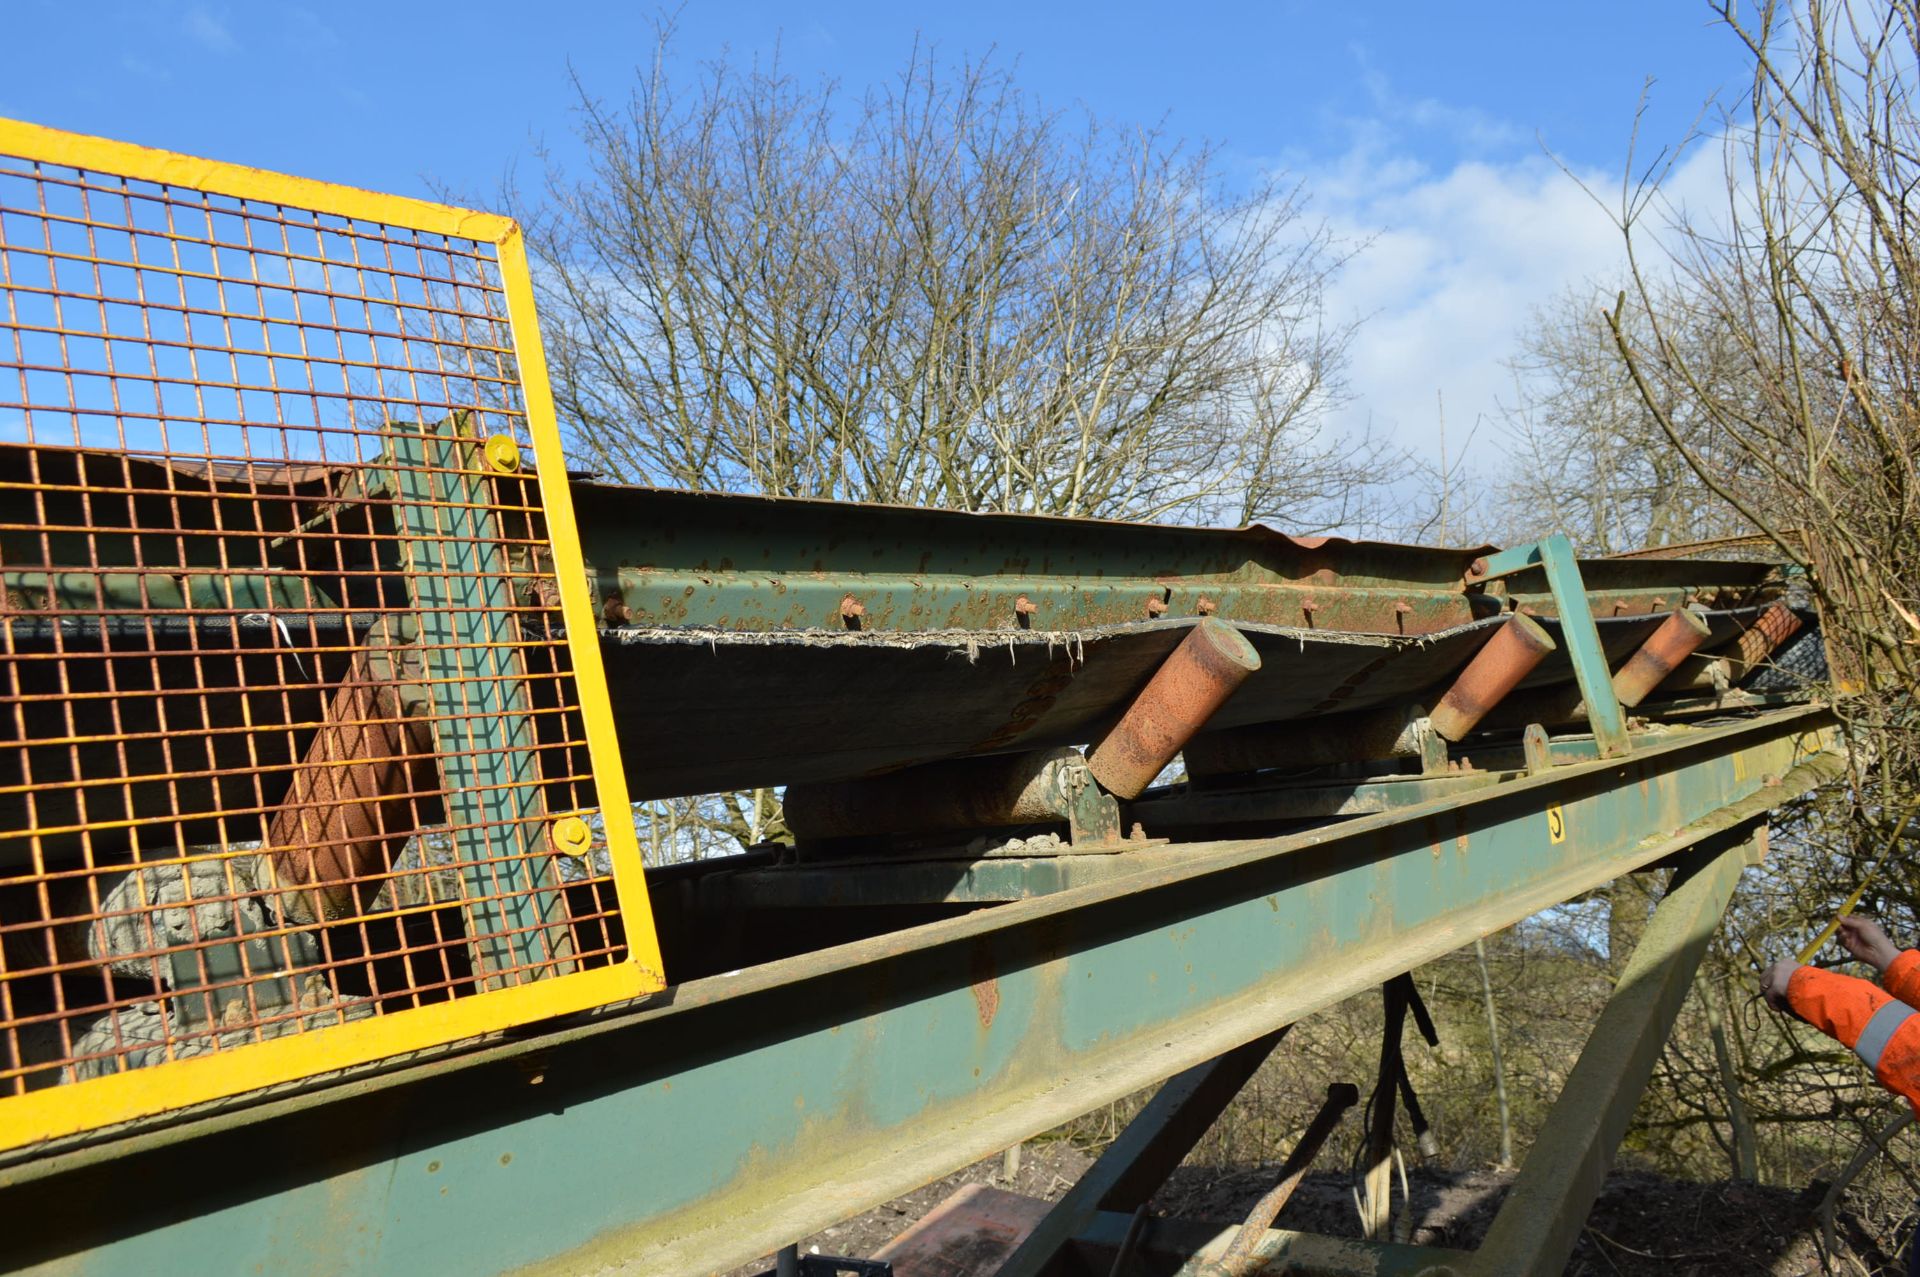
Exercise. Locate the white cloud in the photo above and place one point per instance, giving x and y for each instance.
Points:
(209, 31)
(1458, 259)
(1463, 125)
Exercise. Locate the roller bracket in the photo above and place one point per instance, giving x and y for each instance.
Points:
(1093, 816)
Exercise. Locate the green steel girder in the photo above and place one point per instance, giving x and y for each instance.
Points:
(987, 880)
(1282, 1253)
(759, 563)
(1131, 1170)
(470, 643)
(930, 878)
(729, 1115)
(1543, 1214)
(1554, 556)
(1197, 808)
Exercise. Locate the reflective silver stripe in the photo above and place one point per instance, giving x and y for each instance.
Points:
(1880, 1030)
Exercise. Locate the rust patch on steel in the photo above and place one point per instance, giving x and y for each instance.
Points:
(1195, 680)
(1496, 669)
(986, 999)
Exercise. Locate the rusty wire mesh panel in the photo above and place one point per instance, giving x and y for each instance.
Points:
(290, 735)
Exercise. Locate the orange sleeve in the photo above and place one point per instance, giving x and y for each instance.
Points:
(1898, 1068)
(1837, 1005)
(1902, 978)
(1845, 1009)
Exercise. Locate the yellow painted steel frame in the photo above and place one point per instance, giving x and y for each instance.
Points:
(86, 1105)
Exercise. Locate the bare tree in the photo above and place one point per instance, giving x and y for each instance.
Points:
(1813, 277)
(1808, 284)
(941, 293)
(1589, 458)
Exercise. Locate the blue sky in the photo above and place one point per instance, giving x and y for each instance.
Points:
(1419, 127)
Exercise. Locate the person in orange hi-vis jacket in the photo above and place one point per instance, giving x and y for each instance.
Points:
(1877, 1024)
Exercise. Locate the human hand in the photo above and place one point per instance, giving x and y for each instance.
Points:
(1863, 938)
(1773, 983)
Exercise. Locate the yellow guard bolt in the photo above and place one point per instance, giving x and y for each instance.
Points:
(503, 454)
(571, 836)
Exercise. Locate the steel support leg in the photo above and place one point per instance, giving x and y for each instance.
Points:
(1542, 1216)
(1582, 639)
(1188, 1248)
(1578, 634)
(1139, 1161)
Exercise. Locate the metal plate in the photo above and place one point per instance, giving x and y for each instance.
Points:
(291, 736)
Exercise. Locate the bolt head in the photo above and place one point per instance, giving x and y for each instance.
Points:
(571, 836)
(503, 454)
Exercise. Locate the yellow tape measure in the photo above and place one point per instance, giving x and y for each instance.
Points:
(1828, 932)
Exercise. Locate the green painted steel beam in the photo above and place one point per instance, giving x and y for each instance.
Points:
(1131, 1169)
(699, 1129)
(987, 880)
(1582, 640)
(1578, 634)
(470, 642)
(926, 878)
(1544, 1212)
(1281, 1253)
(758, 563)
(1196, 807)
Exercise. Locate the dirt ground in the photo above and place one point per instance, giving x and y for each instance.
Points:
(1642, 1224)
(1048, 1169)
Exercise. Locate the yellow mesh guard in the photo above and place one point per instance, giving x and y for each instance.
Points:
(289, 710)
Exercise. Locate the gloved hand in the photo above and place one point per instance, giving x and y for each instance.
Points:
(1773, 983)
